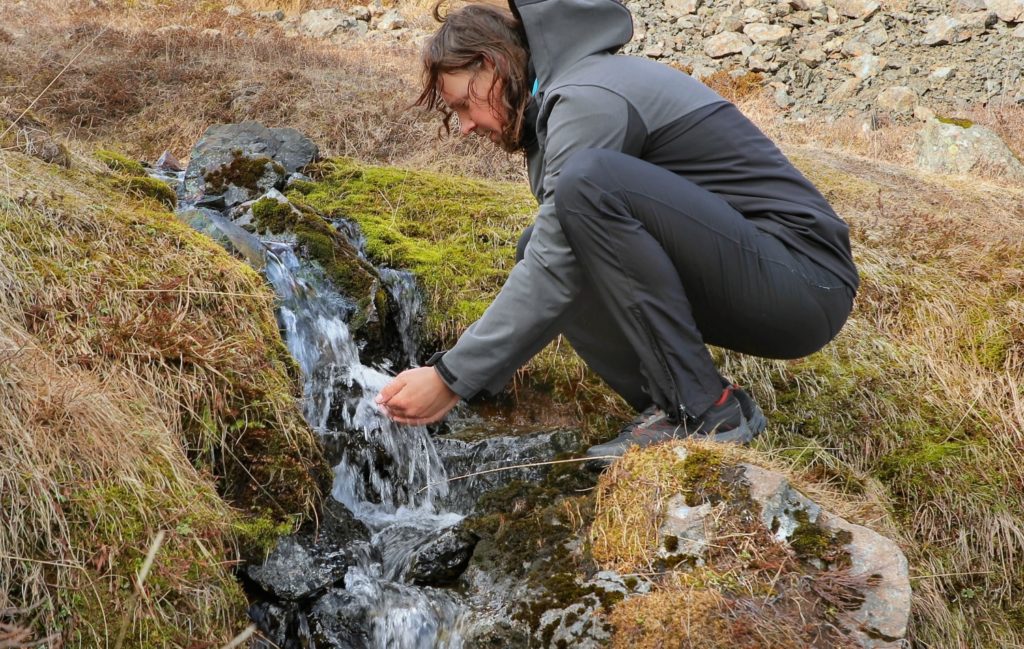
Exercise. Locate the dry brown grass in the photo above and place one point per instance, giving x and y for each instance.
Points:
(749, 590)
(352, 98)
(922, 389)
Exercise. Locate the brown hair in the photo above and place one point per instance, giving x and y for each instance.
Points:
(467, 38)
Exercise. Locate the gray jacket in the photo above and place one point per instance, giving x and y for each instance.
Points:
(589, 98)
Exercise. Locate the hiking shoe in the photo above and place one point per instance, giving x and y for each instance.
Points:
(722, 422)
(755, 416)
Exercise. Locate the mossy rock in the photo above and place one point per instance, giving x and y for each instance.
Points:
(272, 216)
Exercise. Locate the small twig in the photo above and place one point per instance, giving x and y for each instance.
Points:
(192, 291)
(518, 466)
(139, 591)
(953, 574)
(241, 637)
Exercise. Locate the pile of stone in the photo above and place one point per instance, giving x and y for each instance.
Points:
(847, 56)
(338, 25)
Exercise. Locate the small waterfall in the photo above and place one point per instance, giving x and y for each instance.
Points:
(391, 479)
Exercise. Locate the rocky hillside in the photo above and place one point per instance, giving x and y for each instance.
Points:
(919, 57)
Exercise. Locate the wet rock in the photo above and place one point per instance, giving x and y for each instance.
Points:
(338, 621)
(339, 526)
(299, 569)
(463, 458)
(281, 625)
(444, 559)
(959, 147)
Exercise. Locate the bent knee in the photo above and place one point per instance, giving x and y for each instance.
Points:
(582, 179)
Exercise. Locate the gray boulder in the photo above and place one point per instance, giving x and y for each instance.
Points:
(958, 147)
(236, 162)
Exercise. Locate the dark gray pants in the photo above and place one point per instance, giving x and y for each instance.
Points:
(672, 267)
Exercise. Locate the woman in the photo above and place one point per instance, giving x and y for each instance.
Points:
(667, 221)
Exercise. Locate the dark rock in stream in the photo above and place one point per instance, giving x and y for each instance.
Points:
(299, 569)
(338, 621)
(304, 565)
(444, 559)
(465, 458)
(339, 526)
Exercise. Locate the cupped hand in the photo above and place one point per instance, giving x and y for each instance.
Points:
(416, 397)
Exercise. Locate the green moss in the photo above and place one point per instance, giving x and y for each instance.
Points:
(146, 187)
(320, 241)
(703, 477)
(456, 234)
(813, 542)
(988, 339)
(524, 531)
(273, 216)
(302, 187)
(242, 171)
(258, 534)
(120, 163)
(956, 121)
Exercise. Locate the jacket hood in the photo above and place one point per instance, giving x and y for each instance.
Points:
(562, 32)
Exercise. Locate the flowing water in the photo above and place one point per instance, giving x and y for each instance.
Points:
(391, 480)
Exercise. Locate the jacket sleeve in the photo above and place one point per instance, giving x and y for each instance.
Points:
(527, 314)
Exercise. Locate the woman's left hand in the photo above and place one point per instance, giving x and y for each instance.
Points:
(416, 397)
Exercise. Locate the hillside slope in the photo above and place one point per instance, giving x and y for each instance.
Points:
(147, 405)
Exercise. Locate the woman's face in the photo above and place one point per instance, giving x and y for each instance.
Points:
(469, 93)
